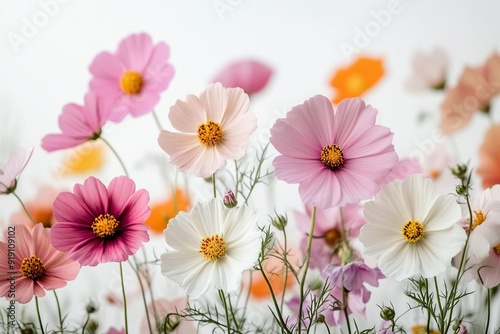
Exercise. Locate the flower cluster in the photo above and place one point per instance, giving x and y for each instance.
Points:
(368, 216)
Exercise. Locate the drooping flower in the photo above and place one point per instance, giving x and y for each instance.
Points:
(407, 225)
(37, 265)
(210, 247)
(133, 77)
(250, 75)
(96, 224)
(162, 212)
(10, 171)
(213, 128)
(429, 70)
(350, 280)
(489, 157)
(355, 79)
(328, 232)
(337, 158)
(79, 124)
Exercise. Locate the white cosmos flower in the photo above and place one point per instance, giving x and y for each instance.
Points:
(412, 230)
(210, 247)
(213, 128)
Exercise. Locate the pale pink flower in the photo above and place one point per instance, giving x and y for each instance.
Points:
(79, 124)
(133, 77)
(36, 267)
(489, 157)
(113, 330)
(96, 224)
(429, 70)
(327, 231)
(482, 256)
(250, 75)
(337, 158)
(214, 127)
(12, 168)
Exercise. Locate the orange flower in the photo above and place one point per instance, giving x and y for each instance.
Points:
(422, 330)
(357, 78)
(489, 157)
(275, 272)
(163, 211)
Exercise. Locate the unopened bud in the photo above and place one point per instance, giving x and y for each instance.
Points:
(280, 222)
(91, 307)
(387, 313)
(230, 200)
(461, 190)
(459, 171)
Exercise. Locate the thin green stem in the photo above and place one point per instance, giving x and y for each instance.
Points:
(213, 184)
(438, 297)
(285, 280)
(86, 323)
(237, 183)
(222, 297)
(124, 298)
(39, 316)
(428, 325)
(344, 306)
(61, 325)
(306, 266)
(116, 155)
(24, 208)
(488, 305)
(157, 120)
(136, 270)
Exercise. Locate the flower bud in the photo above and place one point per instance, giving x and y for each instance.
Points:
(91, 308)
(230, 200)
(459, 171)
(280, 222)
(387, 313)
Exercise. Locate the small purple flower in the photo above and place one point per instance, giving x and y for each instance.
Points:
(230, 200)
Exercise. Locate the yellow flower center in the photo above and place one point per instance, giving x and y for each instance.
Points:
(213, 248)
(332, 156)
(479, 219)
(497, 249)
(209, 133)
(32, 267)
(331, 237)
(105, 225)
(131, 82)
(413, 231)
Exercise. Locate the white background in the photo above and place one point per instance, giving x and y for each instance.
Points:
(301, 40)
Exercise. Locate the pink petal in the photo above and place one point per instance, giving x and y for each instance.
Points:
(135, 50)
(250, 75)
(214, 99)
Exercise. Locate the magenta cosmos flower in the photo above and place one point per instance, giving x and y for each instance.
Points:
(79, 124)
(133, 77)
(12, 168)
(29, 264)
(337, 158)
(250, 75)
(96, 224)
(213, 128)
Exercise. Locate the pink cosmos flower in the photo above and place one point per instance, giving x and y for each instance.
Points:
(79, 124)
(327, 231)
(213, 128)
(250, 75)
(487, 271)
(429, 70)
(337, 158)
(133, 77)
(96, 224)
(12, 168)
(113, 330)
(402, 169)
(37, 266)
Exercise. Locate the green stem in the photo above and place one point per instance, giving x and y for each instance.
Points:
(488, 305)
(428, 325)
(24, 208)
(306, 266)
(38, 314)
(157, 120)
(286, 268)
(136, 270)
(86, 323)
(61, 325)
(438, 297)
(222, 297)
(116, 155)
(344, 306)
(124, 298)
